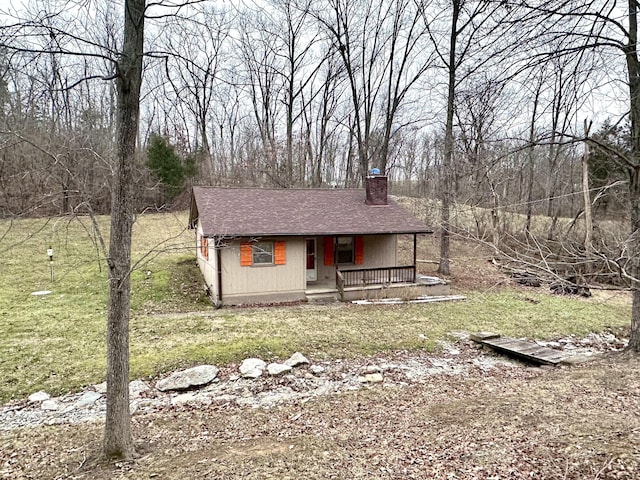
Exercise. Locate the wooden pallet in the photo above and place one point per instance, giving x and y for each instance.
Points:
(520, 348)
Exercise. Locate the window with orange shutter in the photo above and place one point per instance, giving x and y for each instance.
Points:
(204, 247)
(263, 253)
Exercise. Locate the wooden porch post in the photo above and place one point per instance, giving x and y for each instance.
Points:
(415, 257)
(217, 246)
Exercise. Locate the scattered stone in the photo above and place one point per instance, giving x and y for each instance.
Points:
(332, 377)
(101, 387)
(50, 405)
(87, 398)
(440, 363)
(252, 367)
(192, 377)
(549, 344)
(277, 368)
(183, 399)
(296, 359)
(137, 387)
(371, 378)
(40, 396)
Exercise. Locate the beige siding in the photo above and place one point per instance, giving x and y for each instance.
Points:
(208, 267)
(248, 284)
(379, 251)
(278, 283)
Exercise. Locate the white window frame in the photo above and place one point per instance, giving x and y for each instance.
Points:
(263, 253)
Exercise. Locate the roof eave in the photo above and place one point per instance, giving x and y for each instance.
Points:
(315, 234)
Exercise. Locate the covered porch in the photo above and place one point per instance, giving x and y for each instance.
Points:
(381, 282)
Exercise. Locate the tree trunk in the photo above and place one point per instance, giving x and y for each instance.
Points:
(634, 256)
(633, 69)
(117, 441)
(531, 159)
(588, 219)
(445, 233)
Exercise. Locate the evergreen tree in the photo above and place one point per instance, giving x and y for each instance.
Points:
(166, 165)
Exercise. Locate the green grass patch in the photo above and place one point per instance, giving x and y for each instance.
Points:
(57, 342)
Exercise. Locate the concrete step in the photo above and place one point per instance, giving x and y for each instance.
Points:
(323, 297)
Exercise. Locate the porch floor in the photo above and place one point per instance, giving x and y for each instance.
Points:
(320, 287)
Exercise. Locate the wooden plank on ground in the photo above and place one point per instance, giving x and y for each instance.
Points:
(480, 336)
(520, 348)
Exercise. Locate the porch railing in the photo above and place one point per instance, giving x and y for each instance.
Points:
(363, 277)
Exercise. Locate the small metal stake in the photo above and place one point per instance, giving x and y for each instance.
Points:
(50, 253)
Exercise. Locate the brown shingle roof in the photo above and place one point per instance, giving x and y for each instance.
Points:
(244, 212)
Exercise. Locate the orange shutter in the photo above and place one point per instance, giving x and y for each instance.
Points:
(328, 250)
(359, 250)
(280, 253)
(205, 248)
(246, 254)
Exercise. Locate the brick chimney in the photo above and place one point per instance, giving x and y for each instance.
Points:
(376, 189)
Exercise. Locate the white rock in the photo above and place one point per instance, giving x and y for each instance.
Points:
(51, 405)
(40, 396)
(101, 388)
(137, 387)
(277, 368)
(255, 373)
(296, 359)
(373, 369)
(87, 398)
(371, 378)
(317, 369)
(192, 377)
(183, 399)
(252, 367)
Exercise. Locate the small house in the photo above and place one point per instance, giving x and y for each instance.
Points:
(257, 245)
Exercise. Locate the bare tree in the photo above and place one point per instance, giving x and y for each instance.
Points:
(262, 64)
(465, 35)
(118, 442)
(602, 30)
(383, 48)
(195, 48)
(42, 38)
